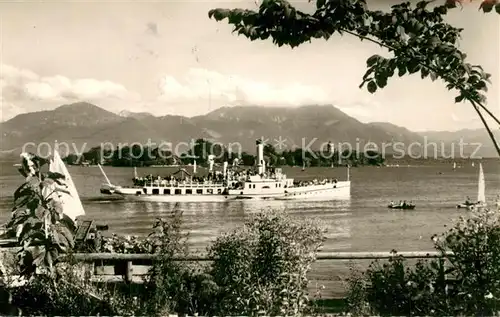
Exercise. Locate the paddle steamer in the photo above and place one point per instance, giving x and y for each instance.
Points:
(231, 184)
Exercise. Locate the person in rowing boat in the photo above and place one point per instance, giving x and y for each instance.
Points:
(468, 201)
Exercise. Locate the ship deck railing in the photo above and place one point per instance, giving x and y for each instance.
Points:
(189, 185)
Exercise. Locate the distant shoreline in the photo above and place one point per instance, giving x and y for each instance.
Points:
(388, 161)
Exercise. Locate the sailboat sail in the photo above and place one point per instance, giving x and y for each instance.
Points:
(454, 165)
(481, 195)
(135, 172)
(71, 204)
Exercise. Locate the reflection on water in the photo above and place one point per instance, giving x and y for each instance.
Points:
(242, 207)
(205, 221)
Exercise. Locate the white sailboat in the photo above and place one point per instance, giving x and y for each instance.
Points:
(454, 165)
(481, 193)
(481, 190)
(71, 203)
(107, 188)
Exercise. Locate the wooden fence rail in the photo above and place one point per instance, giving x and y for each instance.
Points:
(132, 267)
(91, 257)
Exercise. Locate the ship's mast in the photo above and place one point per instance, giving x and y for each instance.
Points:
(224, 171)
(261, 164)
(332, 151)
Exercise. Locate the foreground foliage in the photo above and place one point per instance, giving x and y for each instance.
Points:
(261, 268)
(43, 231)
(467, 284)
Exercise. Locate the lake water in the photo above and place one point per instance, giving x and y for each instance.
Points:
(362, 224)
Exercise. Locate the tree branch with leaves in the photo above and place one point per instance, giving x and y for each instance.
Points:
(416, 37)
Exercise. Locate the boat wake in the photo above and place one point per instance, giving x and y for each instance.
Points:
(103, 199)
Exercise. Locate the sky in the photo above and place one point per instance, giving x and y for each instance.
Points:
(168, 57)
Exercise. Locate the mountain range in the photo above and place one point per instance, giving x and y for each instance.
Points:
(85, 125)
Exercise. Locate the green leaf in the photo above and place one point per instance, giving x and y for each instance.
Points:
(65, 233)
(362, 84)
(413, 67)
(473, 79)
(381, 81)
(424, 72)
(22, 172)
(400, 30)
(219, 14)
(487, 6)
(61, 190)
(289, 12)
(38, 256)
(441, 9)
(401, 70)
(481, 85)
(22, 201)
(450, 4)
(459, 98)
(320, 3)
(372, 60)
(422, 4)
(372, 87)
(40, 161)
(23, 190)
(368, 73)
(434, 41)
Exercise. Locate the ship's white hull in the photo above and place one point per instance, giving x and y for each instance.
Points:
(339, 191)
(180, 198)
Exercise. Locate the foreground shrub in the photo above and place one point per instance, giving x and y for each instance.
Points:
(261, 268)
(475, 266)
(396, 288)
(68, 294)
(176, 286)
(467, 284)
(42, 229)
